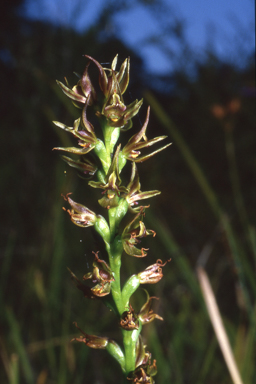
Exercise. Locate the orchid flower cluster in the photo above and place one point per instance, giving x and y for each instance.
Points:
(102, 159)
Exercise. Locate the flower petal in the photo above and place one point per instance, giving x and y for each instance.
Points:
(140, 159)
(76, 151)
(70, 93)
(85, 167)
(103, 80)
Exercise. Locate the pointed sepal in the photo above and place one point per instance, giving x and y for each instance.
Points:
(146, 314)
(131, 151)
(84, 166)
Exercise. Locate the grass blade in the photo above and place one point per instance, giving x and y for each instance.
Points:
(218, 326)
(19, 347)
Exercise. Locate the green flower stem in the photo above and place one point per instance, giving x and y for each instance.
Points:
(130, 339)
(114, 248)
(115, 265)
(115, 251)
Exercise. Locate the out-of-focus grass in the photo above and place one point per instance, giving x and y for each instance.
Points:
(243, 338)
(38, 302)
(19, 346)
(37, 338)
(37, 343)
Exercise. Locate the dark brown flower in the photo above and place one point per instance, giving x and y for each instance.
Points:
(144, 371)
(129, 320)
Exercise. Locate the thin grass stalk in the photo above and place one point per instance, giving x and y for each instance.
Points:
(236, 187)
(249, 347)
(14, 369)
(20, 347)
(218, 326)
(9, 363)
(208, 362)
(234, 178)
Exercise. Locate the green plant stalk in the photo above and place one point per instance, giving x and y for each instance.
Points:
(115, 250)
(129, 337)
(106, 164)
(115, 265)
(129, 340)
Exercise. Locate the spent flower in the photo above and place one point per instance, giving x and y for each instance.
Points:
(129, 320)
(79, 214)
(152, 274)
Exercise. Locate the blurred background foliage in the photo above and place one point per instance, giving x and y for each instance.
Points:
(204, 216)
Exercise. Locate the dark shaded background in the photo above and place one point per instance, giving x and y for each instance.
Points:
(210, 117)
